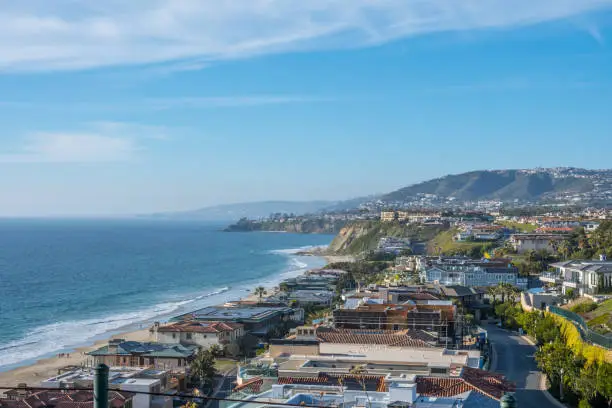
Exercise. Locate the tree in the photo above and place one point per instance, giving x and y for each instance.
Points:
(260, 291)
(493, 291)
(604, 381)
(215, 350)
(359, 372)
(585, 383)
(283, 287)
(507, 312)
(584, 403)
(506, 289)
(203, 367)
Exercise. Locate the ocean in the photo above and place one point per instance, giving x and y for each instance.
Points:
(66, 283)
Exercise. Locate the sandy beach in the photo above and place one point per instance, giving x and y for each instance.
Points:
(46, 368)
(33, 374)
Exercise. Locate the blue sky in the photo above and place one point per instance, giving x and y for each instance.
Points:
(118, 107)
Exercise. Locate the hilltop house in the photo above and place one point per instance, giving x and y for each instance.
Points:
(469, 272)
(536, 242)
(583, 276)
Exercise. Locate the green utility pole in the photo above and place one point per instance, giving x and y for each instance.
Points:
(508, 401)
(101, 386)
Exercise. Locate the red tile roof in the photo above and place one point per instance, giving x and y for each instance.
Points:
(199, 327)
(253, 385)
(65, 399)
(399, 338)
(471, 379)
(420, 296)
(352, 381)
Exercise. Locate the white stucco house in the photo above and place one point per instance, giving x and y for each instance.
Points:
(202, 334)
(583, 276)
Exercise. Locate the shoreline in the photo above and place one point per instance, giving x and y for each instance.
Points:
(33, 373)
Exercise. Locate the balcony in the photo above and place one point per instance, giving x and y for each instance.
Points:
(551, 278)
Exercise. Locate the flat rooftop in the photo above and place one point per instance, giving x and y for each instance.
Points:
(222, 313)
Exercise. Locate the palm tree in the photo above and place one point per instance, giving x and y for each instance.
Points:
(359, 372)
(493, 291)
(564, 248)
(260, 291)
(203, 367)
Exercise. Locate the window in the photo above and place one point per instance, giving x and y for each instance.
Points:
(189, 336)
(174, 335)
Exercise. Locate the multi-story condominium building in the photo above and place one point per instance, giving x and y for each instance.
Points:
(582, 276)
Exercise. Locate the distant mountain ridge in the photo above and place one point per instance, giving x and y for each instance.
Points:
(508, 185)
(253, 210)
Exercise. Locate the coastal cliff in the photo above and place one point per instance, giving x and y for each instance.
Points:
(363, 236)
(300, 226)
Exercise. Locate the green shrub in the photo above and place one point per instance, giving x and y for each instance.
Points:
(584, 307)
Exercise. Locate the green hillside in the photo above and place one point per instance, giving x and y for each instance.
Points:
(359, 237)
(498, 184)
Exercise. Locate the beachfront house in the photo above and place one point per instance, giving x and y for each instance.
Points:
(258, 319)
(123, 353)
(201, 334)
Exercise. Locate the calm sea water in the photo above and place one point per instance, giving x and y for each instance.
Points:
(66, 283)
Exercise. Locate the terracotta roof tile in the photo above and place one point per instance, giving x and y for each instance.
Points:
(471, 379)
(200, 327)
(399, 338)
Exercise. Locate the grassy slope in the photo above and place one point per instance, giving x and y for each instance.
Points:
(518, 226)
(601, 315)
(377, 230)
(444, 240)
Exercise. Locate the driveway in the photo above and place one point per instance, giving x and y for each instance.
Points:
(513, 356)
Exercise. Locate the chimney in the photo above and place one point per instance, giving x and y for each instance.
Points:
(155, 330)
(113, 345)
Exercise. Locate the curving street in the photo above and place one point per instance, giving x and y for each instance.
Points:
(513, 356)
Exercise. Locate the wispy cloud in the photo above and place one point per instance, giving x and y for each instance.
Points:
(101, 142)
(71, 148)
(64, 34)
(230, 101)
(183, 102)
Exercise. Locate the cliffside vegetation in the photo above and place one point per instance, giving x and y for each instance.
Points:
(363, 236)
(305, 225)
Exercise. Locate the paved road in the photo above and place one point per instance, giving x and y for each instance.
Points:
(513, 356)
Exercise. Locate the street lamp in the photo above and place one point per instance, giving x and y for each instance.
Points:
(561, 385)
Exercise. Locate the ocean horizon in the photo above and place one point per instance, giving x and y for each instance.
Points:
(67, 283)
